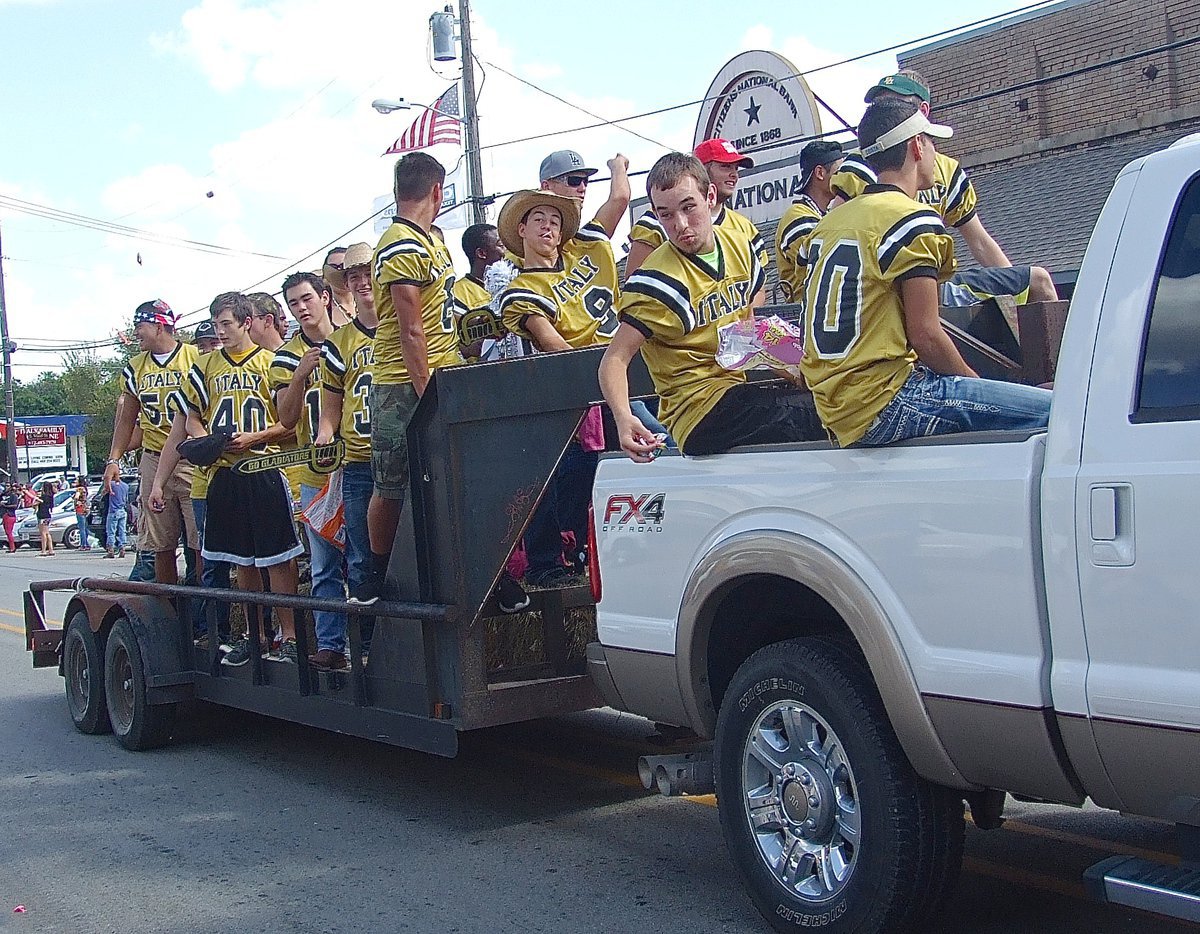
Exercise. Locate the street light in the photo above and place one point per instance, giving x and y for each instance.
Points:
(389, 105)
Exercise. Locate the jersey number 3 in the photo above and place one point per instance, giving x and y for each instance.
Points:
(834, 293)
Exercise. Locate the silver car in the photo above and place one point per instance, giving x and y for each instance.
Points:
(64, 529)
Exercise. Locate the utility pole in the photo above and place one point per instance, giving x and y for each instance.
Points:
(471, 116)
(10, 435)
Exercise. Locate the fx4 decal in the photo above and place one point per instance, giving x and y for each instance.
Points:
(627, 512)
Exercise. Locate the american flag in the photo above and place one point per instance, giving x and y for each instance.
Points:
(440, 125)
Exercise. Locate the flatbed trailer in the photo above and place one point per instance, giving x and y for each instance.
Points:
(483, 445)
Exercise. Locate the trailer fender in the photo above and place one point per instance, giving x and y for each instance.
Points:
(163, 640)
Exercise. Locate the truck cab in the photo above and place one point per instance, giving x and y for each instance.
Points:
(1004, 612)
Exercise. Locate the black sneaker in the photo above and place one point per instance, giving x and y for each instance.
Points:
(368, 592)
(510, 595)
(238, 654)
(550, 579)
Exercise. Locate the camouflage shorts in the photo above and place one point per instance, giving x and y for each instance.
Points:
(392, 409)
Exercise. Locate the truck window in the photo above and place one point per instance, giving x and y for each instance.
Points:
(1169, 385)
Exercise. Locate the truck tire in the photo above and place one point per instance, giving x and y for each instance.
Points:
(83, 674)
(137, 724)
(826, 821)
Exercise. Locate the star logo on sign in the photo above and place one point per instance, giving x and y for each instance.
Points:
(751, 112)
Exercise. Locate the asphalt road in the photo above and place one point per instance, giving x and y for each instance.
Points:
(248, 824)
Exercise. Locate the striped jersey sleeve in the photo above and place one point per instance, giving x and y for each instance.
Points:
(128, 380)
(657, 304)
(959, 203)
(648, 229)
(916, 245)
(517, 305)
(195, 390)
(405, 261)
(852, 176)
(333, 368)
(593, 231)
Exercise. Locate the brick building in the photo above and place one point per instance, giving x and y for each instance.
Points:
(1048, 107)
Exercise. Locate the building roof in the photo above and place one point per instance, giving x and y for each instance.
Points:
(1041, 211)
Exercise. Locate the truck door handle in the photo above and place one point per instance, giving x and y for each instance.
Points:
(1110, 520)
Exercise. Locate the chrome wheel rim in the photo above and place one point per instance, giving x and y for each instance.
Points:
(801, 801)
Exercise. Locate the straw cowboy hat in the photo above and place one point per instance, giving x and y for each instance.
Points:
(357, 254)
(520, 204)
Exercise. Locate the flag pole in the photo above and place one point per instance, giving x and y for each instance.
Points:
(471, 117)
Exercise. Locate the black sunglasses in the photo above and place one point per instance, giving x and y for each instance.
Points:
(574, 181)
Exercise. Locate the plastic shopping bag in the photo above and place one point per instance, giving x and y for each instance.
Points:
(760, 342)
(326, 514)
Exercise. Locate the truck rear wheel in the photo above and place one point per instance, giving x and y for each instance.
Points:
(825, 818)
(137, 724)
(83, 674)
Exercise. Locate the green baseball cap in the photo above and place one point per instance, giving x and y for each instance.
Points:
(898, 84)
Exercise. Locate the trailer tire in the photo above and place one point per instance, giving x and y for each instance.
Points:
(83, 674)
(137, 724)
(826, 821)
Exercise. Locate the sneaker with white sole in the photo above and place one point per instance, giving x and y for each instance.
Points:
(238, 654)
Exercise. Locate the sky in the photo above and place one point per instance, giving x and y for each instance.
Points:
(134, 111)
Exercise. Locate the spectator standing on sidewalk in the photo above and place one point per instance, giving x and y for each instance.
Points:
(45, 506)
(9, 504)
(117, 519)
(82, 504)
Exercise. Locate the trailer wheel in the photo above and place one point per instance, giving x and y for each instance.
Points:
(825, 818)
(137, 724)
(83, 673)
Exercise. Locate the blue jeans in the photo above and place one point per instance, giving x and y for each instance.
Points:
(213, 574)
(114, 528)
(356, 494)
(81, 522)
(327, 581)
(641, 411)
(931, 404)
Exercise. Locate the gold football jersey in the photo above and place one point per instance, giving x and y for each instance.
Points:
(578, 296)
(234, 392)
(648, 229)
(952, 194)
(283, 366)
(347, 368)
(791, 246)
(407, 255)
(856, 350)
(158, 388)
(678, 302)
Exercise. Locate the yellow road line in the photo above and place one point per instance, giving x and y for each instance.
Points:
(19, 630)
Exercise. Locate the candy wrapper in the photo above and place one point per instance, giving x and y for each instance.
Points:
(767, 342)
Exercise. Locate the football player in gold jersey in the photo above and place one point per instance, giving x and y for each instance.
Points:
(671, 310)
(296, 385)
(953, 196)
(347, 369)
(478, 326)
(871, 302)
(723, 163)
(249, 521)
(151, 396)
(818, 161)
(413, 281)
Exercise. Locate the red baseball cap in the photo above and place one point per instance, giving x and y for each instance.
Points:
(721, 150)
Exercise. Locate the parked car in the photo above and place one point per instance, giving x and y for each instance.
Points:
(64, 478)
(99, 510)
(64, 530)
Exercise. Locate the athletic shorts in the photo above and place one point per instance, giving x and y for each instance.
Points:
(160, 531)
(249, 520)
(392, 408)
(972, 286)
(757, 413)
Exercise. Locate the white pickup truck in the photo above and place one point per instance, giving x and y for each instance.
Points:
(872, 636)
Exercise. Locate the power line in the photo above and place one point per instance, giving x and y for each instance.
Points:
(799, 74)
(583, 110)
(134, 233)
